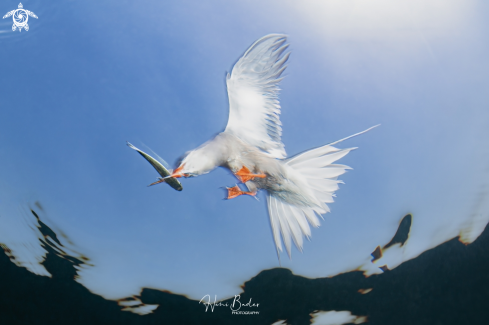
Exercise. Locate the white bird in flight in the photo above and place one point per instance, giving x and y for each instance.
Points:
(298, 188)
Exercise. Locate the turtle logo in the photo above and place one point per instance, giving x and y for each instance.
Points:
(20, 17)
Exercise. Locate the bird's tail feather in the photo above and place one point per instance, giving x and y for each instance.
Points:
(291, 222)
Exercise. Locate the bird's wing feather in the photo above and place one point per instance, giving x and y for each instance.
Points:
(291, 222)
(254, 108)
(8, 14)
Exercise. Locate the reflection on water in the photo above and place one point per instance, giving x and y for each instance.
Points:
(400, 237)
(445, 285)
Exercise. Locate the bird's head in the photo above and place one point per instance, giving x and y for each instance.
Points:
(195, 163)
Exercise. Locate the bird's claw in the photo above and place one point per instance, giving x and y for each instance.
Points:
(235, 191)
(244, 175)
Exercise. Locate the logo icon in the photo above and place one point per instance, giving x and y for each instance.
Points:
(20, 17)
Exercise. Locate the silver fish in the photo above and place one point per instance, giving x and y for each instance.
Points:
(162, 170)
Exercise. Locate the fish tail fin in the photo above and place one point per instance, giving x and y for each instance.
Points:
(160, 180)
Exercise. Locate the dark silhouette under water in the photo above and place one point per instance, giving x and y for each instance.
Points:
(445, 285)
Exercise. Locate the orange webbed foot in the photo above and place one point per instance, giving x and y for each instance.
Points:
(235, 191)
(244, 175)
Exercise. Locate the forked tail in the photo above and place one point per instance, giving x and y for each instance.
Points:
(317, 168)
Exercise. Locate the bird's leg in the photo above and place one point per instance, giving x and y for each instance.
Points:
(244, 175)
(235, 191)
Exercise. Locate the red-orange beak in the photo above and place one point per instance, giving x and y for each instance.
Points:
(177, 173)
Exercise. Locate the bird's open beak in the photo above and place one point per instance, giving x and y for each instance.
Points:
(177, 173)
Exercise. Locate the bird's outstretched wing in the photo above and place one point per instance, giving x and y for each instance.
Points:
(8, 14)
(30, 13)
(254, 108)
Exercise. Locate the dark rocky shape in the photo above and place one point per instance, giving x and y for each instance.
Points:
(445, 285)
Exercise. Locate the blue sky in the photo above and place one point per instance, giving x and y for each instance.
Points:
(89, 76)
